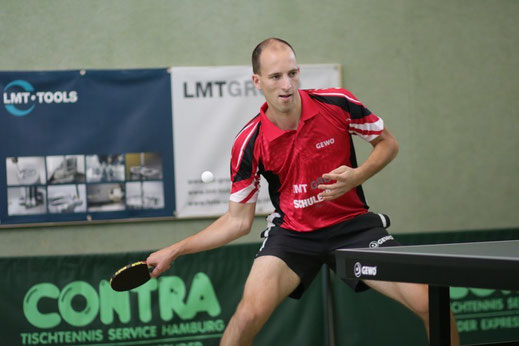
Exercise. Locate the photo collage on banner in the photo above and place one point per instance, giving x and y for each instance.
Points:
(84, 183)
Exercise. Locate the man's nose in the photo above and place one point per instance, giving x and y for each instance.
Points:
(285, 82)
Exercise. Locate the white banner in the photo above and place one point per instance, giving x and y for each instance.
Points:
(210, 106)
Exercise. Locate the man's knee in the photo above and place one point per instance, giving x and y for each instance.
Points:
(250, 313)
(257, 304)
(418, 302)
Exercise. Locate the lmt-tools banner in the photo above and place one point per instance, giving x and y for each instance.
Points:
(85, 145)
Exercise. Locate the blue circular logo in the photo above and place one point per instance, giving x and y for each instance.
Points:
(18, 97)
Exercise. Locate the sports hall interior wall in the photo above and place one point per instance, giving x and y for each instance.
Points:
(443, 75)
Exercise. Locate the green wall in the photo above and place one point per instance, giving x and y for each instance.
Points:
(443, 74)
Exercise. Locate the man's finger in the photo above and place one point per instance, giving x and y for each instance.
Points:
(327, 186)
(327, 193)
(331, 176)
(157, 271)
(337, 170)
(327, 196)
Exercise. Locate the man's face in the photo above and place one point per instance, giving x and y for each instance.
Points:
(278, 78)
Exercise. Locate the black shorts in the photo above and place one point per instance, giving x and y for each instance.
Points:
(306, 252)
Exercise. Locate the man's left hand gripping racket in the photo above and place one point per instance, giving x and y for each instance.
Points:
(131, 276)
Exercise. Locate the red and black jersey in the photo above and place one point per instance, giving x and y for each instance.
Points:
(294, 161)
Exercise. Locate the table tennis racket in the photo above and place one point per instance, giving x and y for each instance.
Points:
(131, 276)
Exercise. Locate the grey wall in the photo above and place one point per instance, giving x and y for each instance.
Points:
(443, 74)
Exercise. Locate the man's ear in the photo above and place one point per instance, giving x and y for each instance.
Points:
(256, 81)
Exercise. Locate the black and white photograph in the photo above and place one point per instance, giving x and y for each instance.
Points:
(26, 200)
(65, 169)
(28, 170)
(106, 197)
(105, 168)
(67, 198)
(145, 195)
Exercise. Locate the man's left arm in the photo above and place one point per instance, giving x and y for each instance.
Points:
(385, 148)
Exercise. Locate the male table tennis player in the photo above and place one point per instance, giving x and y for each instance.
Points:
(301, 143)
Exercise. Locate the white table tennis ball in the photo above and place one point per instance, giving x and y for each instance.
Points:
(207, 177)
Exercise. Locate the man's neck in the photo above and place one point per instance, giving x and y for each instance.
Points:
(285, 120)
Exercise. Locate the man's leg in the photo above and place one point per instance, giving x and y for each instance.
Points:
(416, 298)
(270, 281)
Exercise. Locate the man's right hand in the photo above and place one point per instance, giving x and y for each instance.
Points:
(161, 260)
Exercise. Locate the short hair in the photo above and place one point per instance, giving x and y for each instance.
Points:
(259, 48)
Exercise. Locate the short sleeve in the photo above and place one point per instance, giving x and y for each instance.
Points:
(363, 123)
(244, 165)
(360, 120)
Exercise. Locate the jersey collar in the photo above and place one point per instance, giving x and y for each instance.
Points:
(308, 111)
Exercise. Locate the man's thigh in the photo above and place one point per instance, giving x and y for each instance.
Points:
(269, 282)
(413, 296)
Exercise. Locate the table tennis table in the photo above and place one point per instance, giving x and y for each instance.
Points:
(492, 265)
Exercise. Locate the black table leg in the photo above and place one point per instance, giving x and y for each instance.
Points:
(439, 316)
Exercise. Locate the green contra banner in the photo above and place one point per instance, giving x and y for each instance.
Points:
(67, 300)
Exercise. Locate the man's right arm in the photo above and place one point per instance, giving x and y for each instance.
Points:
(235, 223)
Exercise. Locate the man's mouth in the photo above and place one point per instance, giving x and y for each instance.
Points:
(285, 96)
